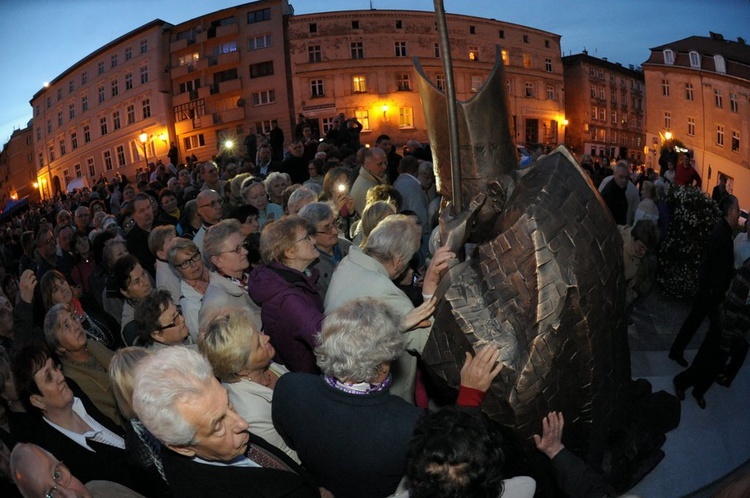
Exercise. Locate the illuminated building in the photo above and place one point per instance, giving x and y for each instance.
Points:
(17, 172)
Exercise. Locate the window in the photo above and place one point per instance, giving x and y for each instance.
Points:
(313, 53)
(66, 176)
(101, 94)
(472, 30)
(316, 88)
(359, 84)
(144, 46)
(719, 64)
(225, 48)
(84, 104)
(62, 147)
(689, 91)
(529, 92)
(84, 77)
(501, 33)
(313, 27)
(116, 120)
(695, 59)
(100, 68)
(128, 81)
(735, 141)
(509, 87)
(258, 16)
(665, 88)
(527, 60)
(668, 56)
(592, 72)
(504, 54)
(550, 92)
(264, 97)
(718, 99)
(103, 125)
(436, 50)
(405, 117)
(120, 151)
(358, 50)
(404, 82)
(38, 133)
(144, 74)
(600, 74)
(602, 93)
(115, 91)
(261, 69)
(667, 120)
(86, 134)
(399, 24)
(262, 41)
(526, 38)
(546, 43)
(473, 53)
(77, 169)
(548, 65)
(614, 117)
(440, 81)
(602, 114)
(400, 48)
(128, 53)
(355, 24)
(51, 152)
(263, 127)
(41, 159)
(190, 86)
(131, 114)
(720, 135)
(691, 127)
(71, 111)
(476, 83)
(71, 86)
(73, 140)
(146, 106)
(364, 119)
(188, 59)
(592, 92)
(49, 102)
(59, 118)
(49, 126)
(194, 142)
(113, 61)
(107, 160)
(734, 104)
(91, 167)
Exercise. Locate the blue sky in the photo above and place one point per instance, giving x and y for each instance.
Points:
(42, 38)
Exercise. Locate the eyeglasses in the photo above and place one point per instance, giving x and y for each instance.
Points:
(190, 261)
(308, 237)
(61, 476)
(237, 249)
(214, 203)
(329, 229)
(176, 319)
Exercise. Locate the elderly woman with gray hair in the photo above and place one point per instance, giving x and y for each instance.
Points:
(185, 259)
(370, 272)
(225, 255)
(349, 431)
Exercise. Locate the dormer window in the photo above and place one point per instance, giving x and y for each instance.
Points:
(668, 57)
(719, 63)
(695, 59)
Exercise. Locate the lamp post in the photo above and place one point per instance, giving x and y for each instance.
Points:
(144, 138)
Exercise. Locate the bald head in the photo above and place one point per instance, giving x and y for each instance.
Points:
(376, 162)
(32, 469)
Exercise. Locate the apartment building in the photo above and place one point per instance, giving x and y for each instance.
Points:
(17, 171)
(109, 113)
(604, 105)
(698, 91)
(360, 63)
(229, 77)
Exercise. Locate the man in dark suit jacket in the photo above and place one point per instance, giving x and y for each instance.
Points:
(209, 451)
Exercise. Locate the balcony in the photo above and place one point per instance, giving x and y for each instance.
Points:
(229, 116)
(230, 86)
(232, 58)
(183, 70)
(229, 29)
(178, 45)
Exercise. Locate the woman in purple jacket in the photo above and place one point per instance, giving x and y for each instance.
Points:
(285, 288)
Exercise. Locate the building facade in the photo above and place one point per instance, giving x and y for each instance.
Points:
(359, 63)
(17, 171)
(604, 105)
(698, 91)
(88, 121)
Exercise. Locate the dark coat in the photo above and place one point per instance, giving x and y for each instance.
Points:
(138, 246)
(291, 310)
(190, 479)
(616, 201)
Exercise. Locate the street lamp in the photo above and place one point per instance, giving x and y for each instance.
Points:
(143, 138)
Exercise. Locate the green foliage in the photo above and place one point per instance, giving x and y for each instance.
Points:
(692, 216)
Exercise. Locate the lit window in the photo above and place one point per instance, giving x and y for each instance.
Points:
(359, 84)
(405, 117)
(473, 53)
(364, 118)
(527, 60)
(504, 54)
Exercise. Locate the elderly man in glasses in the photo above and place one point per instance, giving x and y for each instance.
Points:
(209, 204)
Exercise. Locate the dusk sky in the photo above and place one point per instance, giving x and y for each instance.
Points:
(43, 38)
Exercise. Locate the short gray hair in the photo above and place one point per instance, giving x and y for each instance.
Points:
(50, 324)
(157, 237)
(300, 195)
(215, 237)
(396, 237)
(357, 338)
(163, 381)
(179, 245)
(316, 212)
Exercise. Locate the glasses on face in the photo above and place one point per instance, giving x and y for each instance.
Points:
(329, 229)
(237, 249)
(190, 261)
(214, 203)
(176, 319)
(61, 476)
(308, 237)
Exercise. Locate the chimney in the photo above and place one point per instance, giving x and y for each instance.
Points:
(716, 36)
(631, 67)
(740, 40)
(604, 59)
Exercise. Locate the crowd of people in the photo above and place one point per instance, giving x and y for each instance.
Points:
(252, 327)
